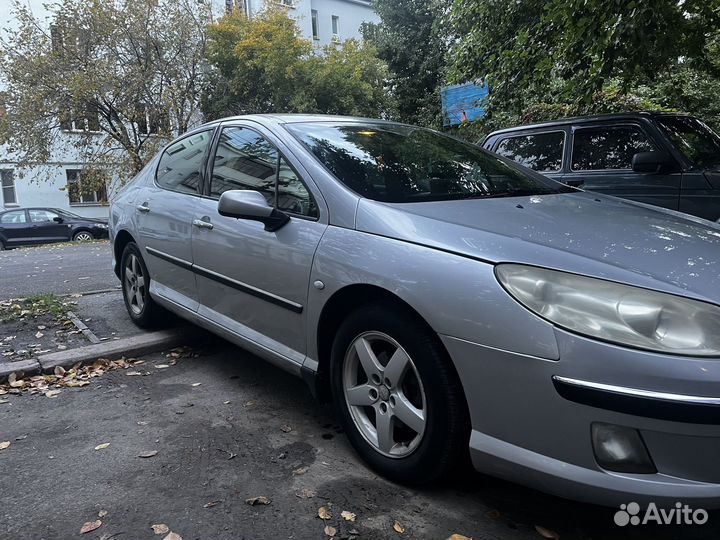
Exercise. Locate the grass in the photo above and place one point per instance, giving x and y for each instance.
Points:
(32, 306)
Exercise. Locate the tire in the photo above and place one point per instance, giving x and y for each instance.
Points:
(83, 236)
(429, 385)
(135, 280)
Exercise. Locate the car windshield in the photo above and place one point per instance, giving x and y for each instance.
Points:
(695, 140)
(398, 163)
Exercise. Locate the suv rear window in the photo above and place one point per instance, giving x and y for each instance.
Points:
(604, 148)
(539, 151)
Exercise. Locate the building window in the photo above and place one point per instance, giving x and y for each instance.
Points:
(335, 20)
(315, 30)
(79, 194)
(87, 120)
(8, 187)
(242, 5)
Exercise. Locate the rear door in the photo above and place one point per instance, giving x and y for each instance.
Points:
(164, 213)
(541, 151)
(601, 160)
(15, 228)
(44, 227)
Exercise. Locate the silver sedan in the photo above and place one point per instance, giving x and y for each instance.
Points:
(445, 299)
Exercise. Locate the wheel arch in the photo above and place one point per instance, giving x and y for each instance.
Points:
(122, 239)
(334, 311)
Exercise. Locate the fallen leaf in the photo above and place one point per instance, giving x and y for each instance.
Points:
(173, 536)
(330, 531)
(52, 393)
(59, 371)
(547, 533)
(38, 335)
(226, 402)
(301, 470)
(4, 445)
(3, 401)
(102, 446)
(286, 429)
(133, 373)
(90, 526)
(457, 536)
(102, 513)
(21, 437)
(151, 453)
(323, 513)
(160, 528)
(306, 493)
(348, 516)
(262, 499)
(398, 527)
(196, 384)
(162, 366)
(211, 504)
(14, 382)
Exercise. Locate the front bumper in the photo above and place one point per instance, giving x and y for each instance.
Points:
(526, 428)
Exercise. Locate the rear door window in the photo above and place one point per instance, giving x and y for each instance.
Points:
(181, 163)
(607, 148)
(16, 216)
(541, 152)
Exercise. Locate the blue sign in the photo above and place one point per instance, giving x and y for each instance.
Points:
(463, 103)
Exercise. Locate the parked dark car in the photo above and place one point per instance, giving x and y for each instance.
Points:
(663, 159)
(29, 226)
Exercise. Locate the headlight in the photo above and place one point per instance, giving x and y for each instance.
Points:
(613, 312)
(101, 226)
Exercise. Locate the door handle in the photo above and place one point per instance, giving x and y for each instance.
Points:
(202, 224)
(143, 208)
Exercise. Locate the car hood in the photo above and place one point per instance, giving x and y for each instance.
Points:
(580, 232)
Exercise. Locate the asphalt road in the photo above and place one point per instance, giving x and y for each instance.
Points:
(57, 268)
(228, 427)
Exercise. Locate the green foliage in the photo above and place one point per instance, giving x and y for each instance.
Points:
(413, 40)
(546, 59)
(263, 64)
(108, 68)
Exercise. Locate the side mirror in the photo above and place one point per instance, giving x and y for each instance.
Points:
(58, 219)
(651, 162)
(248, 204)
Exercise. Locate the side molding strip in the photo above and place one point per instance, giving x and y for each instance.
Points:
(228, 282)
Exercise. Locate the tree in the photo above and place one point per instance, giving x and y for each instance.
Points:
(262, 64)
(413, 40)
(122, 75)
(578, 53)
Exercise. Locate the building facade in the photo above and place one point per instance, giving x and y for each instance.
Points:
(321, 21)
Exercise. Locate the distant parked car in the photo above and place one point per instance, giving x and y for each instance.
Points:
(30, 226)
(669, 160)
(446, 298)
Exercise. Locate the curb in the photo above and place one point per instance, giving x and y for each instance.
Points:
(126, 347)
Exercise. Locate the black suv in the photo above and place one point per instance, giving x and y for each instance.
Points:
(28, 226)
(669, 160)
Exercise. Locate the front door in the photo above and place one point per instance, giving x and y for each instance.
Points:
(46, 229)
(15, 228)
(601, 160)
(164, 215)
(251, 281)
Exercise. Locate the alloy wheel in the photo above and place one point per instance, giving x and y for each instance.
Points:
(134, 284)
(83, 237)
(384, 394)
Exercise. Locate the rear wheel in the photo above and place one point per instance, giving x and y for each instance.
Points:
(83, 236)
(397, 395)
(136, 288)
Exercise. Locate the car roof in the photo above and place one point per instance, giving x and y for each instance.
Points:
(292, 118)
(587, 119)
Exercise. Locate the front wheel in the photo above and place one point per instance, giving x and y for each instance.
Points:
(83, 236)
(398, 395)
(136, 288)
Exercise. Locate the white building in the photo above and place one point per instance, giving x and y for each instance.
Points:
(58, 183)
(322, 21)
